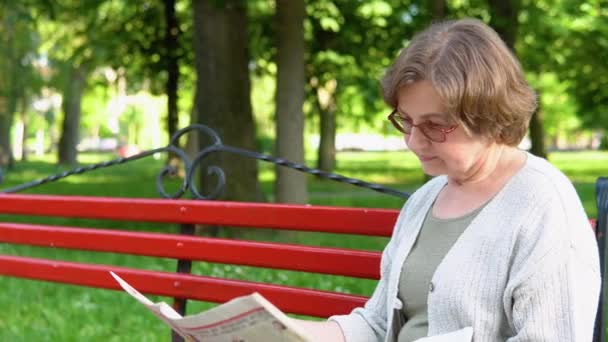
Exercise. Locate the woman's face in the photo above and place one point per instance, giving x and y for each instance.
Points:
(460, 155)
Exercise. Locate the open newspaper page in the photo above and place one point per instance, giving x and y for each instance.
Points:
(249, 318)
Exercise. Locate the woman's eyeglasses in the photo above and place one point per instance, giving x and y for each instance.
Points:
(432, 131)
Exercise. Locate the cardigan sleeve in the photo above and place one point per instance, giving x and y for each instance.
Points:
(555, 280)
(558, 303)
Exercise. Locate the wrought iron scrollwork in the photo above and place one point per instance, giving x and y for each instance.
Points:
(191, 166)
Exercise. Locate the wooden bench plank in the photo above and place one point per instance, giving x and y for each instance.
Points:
(337, 261)
(289, 299)
(376, 222)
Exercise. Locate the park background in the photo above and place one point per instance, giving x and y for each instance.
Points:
(83, 82)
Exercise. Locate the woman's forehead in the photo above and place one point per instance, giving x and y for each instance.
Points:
(420, 99)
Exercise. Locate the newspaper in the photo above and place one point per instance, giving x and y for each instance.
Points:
(462, 335)
(249, 318)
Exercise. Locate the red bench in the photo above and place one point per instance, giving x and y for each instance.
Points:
(323, 260)
(336, 261)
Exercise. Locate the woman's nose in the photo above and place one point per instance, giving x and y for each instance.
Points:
(415, 138)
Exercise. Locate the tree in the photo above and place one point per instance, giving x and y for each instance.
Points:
(171, 56)
(70, 127)
(19, 42)
(572, 36)
(504, 19)
(347, 60)
(290, 185)
(588, 55)
(326, 20)
(221, 58)
(439, 9)
(125, 36)
(76, 43)
(151, 40)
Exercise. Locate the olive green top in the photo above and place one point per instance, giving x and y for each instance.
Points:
(434, 241)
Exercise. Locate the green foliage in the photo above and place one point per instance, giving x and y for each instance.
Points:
(604, 143)
(351, 42)
(559, 108)
(94, 105)
(566, 37)
(19, 41)
(263, 96)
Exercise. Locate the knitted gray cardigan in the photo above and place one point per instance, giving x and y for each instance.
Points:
(526, 268)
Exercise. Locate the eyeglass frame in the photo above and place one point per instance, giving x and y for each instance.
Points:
(421, 127)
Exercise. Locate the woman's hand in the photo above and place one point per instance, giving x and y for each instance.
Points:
(321, 330)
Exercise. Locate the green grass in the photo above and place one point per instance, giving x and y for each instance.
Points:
(42, 311)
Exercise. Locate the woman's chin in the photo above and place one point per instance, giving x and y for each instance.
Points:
(431, 171)
(431, 168)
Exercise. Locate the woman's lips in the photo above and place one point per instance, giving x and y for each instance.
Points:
(425, 158)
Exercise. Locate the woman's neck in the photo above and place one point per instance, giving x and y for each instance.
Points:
(459, 197)
(492, 166)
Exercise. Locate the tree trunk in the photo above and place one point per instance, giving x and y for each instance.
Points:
(537, 134)
(222, 57)
(8, 106)
(7, 88)
(70, 128)
(172, 65)
(325, 93)
(504, 21)
(6, 153)
(10, 89)
(326, 102)
(290, 185)
(192, 143)
(24, 120)
(439, 10)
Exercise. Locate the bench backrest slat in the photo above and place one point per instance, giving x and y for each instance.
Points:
(337, 261)
(377, 222)
(289, 299)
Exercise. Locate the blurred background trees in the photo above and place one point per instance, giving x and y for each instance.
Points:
(281, 77)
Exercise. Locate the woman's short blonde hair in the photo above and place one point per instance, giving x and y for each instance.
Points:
(480, 81)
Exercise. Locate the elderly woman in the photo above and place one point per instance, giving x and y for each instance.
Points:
(497, 247)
